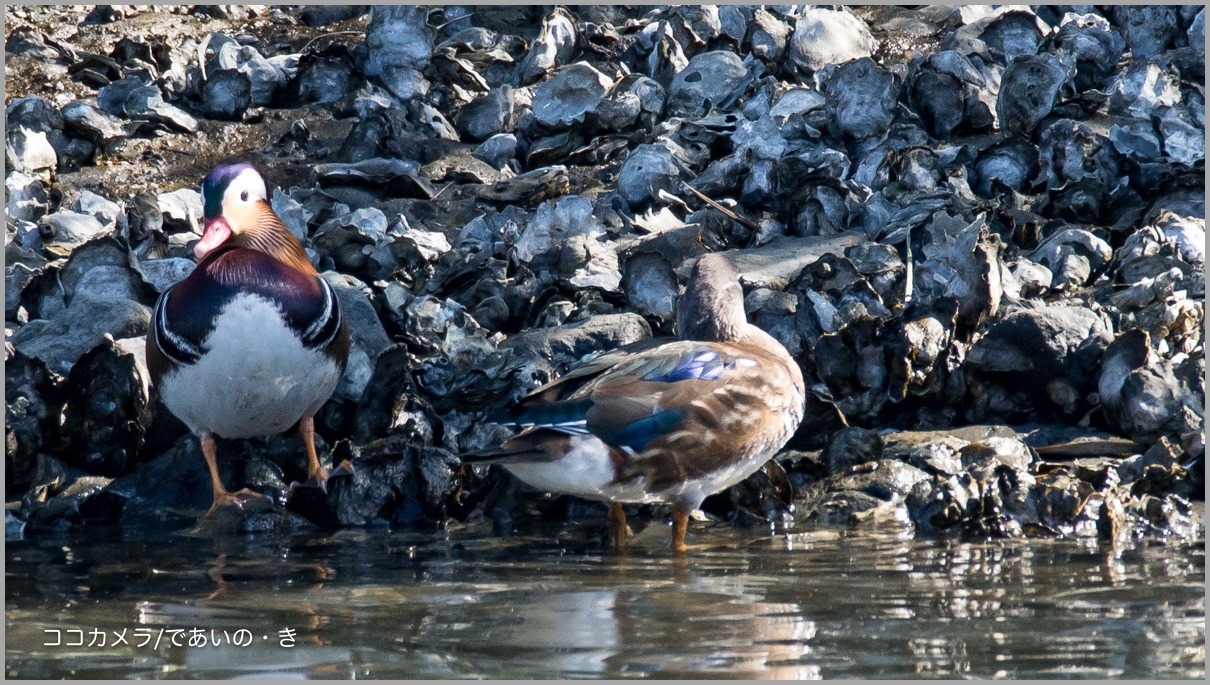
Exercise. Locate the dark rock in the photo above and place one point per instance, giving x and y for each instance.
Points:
(707, 82)
(1029, 91)
(850, 447)
(861, 98)
(105, 397)
(1051, 353)
(227, 94)
(33, 411)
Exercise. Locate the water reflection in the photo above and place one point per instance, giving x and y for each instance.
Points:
(378, 604)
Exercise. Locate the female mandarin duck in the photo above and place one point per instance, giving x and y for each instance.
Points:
(667, 423)
(253, 340)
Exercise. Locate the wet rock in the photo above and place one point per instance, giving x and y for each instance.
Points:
(83, 499)
(822, 37)
(32, 416)
(866, 493)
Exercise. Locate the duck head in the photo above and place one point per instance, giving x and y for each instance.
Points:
(237, 213)
(712, 308)
(233, 198)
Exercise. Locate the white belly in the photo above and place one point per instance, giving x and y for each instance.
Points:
(587, 471)
(256, 378)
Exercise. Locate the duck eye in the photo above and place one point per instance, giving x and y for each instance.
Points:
(244, 196)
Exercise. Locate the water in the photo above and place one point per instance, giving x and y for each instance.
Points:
(465, 603)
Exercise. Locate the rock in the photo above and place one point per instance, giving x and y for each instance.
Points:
(33, 412)
(367, 337)
(397, 38)
(62, 341)
(30, 151)
(707, 82)
(110, 214)
(571, 342)
(26, 197)
(769, 36)
(554, 47)
(1050, 353)
(487, 116)
(66, 229)
(1029, 91)
(963, 263)
(498, 149)
(571, 94)
(861, 98)
(1148, 30)
(850, 447)
(181, 210)
(227, 94)
(162, 274)
(822, 37)
(648, 170)
(83, 120)
(106, 394)
(650, 285)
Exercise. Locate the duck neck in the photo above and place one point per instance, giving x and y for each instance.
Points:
(270, 235)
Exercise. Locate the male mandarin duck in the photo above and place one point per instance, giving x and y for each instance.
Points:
(253, 340)
(671, 422)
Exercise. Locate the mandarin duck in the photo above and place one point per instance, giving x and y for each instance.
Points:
(252, 341)
(662, 423)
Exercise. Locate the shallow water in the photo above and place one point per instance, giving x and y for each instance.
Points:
(466, 603)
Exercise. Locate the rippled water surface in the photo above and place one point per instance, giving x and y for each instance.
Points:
(465, 603)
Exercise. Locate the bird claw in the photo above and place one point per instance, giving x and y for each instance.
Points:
(322, 477)
(236, 500)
